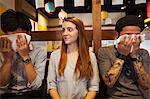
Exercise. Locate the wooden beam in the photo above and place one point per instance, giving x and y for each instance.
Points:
(56, 35)
(53, 35)
(46, 36)
(18, 5)
(24, 7)
(96, 16)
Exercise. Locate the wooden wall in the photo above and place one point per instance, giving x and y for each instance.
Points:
(56, 35)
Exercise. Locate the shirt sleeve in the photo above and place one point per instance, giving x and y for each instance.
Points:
(93, 84)
(146, 61)
(51, 79)
(104, 60)
(40, 62)
(146, 64)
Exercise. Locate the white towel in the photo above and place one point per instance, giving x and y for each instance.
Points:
(121, 38)
(13, 38)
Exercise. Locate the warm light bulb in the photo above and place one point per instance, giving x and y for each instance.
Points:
(104, 14)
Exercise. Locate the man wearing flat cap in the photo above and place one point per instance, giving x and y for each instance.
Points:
(125, 68)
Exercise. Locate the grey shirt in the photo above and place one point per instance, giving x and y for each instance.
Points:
(126, 86)
(67, 86)
(18, 80)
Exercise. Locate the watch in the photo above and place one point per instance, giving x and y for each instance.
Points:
(136, 59)
(26, 60)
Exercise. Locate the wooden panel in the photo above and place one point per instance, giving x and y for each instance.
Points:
(46, 36)
(18, 5)
(53, 35)
(56, 35)
(26, 8)
(108, 34)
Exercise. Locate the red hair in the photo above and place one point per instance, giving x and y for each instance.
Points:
(83, 67)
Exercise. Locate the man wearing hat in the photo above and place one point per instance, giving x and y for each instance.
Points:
(125, 68)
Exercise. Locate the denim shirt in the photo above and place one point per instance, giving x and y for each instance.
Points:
(18, 80)
(67, 86)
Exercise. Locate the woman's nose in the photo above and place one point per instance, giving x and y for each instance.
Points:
(65, 32)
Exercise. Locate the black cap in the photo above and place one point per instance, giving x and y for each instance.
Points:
(129, 20)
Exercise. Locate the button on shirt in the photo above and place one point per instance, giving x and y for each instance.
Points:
(18, 80)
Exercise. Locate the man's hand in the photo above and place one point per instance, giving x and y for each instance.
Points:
(124, 46)
(6, 48)
(136, 47)
(22, 46)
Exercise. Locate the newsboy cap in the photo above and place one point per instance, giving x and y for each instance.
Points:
(129, 20)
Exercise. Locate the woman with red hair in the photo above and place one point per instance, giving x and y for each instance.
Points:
(73, 71)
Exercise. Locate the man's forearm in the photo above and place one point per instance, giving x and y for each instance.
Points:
(54, 94)
(113, 74)
(5, 73)
(91, 95)
(143, 76)
(30, 72)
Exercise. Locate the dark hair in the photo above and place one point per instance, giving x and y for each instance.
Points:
(83, 66)
(12, 20)
(129, 20)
